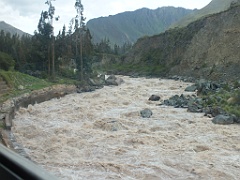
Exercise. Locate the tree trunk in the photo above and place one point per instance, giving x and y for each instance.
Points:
(53, 59)
(76, 51)
(81, 58)
(49, 61)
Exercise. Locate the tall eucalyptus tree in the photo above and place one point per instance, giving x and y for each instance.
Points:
(80, 29)
(45, 27)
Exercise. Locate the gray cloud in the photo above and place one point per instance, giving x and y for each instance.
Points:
(25, 7)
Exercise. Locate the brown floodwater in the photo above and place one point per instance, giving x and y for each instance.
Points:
(101, 135)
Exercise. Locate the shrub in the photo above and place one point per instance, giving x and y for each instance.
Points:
(236, 84)
(68, 73)
(6, 61)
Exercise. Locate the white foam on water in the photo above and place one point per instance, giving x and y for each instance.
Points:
(100, 135)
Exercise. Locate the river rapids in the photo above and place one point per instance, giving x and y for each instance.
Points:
(101, 135)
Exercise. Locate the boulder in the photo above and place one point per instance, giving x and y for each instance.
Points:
(113, 80)
(146, 113)
(154, 98)
(215, 111)
(97, 81)
(223, 119)
(85, 89)
(192, 88)
(195, 105)
(181, 101)
(175, 77)
(172, 101)
(237, 120)
(204, 86)
(195, 108)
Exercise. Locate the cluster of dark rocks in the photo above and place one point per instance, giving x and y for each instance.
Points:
(87, 88)
(196, 104)
(182, 78)
(192, 102)
(202, 87)
(99, 82)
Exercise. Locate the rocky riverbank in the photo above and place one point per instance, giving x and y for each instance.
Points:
(210, 101)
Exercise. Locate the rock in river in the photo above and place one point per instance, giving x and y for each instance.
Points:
(223, 119)
(154, 98)
(146, 113)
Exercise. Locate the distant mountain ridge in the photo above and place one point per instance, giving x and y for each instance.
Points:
(129, 26)
(213, 7)
(12, 30)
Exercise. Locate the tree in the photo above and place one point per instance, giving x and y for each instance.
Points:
(116, 49)
(64, 32)
(80, 29)
(46, 31)
(104, 46)
(51, 12)
(6, 61)
(70, 27)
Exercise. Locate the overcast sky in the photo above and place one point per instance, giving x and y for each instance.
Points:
(25, 14)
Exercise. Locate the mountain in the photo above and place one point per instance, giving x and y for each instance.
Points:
(12, 30)
(129, 26)
(207, 48)
(214, 6)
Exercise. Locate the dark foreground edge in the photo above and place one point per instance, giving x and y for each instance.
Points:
(13, 166)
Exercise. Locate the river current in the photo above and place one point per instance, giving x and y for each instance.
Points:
(101, 135)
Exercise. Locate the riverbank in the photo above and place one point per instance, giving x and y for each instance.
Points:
(9, 108)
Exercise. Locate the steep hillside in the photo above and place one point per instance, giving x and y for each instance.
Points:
(206, 48)
(129, 26)
(12, 30)
(214, 6)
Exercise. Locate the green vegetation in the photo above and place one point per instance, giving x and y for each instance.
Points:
(6, 61)
(227, 99)
(21, 83)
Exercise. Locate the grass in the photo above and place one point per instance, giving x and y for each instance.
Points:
(29, 83)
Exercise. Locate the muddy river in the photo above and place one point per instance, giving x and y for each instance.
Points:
(101, 135)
